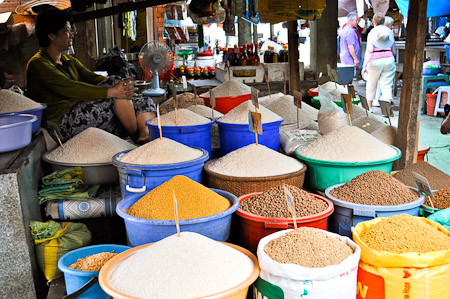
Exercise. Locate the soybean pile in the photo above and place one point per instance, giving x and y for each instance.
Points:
(272, 203)
(441, 199)
(437, 178)
(194, 201)
(183, 117)
(90, 146)
(161, 151)
(189, 266)
(405, 233)
(308, 247)
(93, 262)
(375, 188)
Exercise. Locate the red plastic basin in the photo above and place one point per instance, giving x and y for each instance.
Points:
(312, 92)
(252, 228)
(225, 104)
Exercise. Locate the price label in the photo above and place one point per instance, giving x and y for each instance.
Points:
(183, 78)
(290, 204)
(351, 91)
(386, 109)
(346, 100)
(173, 88)
(364, 103)
(175, 207)
(254, 122)
(212, 98)
(423, 184)
(334, 75)
(255, 100)
(297, 99)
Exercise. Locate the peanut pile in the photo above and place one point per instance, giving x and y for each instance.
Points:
(93, 262)
(272, 203)
(308, 247)
(441, 199)
(375, 188)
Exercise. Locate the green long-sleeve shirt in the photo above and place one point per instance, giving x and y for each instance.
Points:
(60, 88)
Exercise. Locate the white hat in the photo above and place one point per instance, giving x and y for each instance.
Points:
(383, 37)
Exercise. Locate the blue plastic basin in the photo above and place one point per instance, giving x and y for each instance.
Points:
(235, 136)
(347, 214)
(15, 131)
(75, 279)
(37, 112)
(197, 136)
(142, 231)
(135, 178)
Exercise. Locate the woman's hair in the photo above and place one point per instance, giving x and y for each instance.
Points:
(50, 21)
(378, 18)
(388, 21)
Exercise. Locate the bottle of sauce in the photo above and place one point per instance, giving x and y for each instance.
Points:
(244, 57)
(284, 53)
(235, 60)
(205, 73)
(256, 59)
(268, 55)
(182, 71)
(212, 72)
(190, 74)
(198, 73)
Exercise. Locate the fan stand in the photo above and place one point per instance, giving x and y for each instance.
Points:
(156, 91)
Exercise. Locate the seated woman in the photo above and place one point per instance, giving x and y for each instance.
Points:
(77, 98)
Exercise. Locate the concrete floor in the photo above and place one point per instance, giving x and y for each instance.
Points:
(429, 132)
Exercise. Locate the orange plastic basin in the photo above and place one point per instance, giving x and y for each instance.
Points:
(238, 292)
(252, 228)
(225, 104)
(421, 153)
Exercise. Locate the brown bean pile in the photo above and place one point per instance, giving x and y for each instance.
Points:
(93, 262)
(441, 199)
(375, 188)
(308, 247)
(405, 233)
(184, 100)
(272, 203)
(437, 179)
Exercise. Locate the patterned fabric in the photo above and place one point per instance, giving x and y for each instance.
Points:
(100, 114)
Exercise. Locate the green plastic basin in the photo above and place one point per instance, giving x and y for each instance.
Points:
(322, 174)
(316, 102)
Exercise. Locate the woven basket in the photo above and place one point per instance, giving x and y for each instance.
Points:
(240, 185)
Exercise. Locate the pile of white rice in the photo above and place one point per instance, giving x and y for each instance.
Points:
(348, 144)
(161, 151)
(239, 114)
(204, 111)
(255, 161)
(11, 101)
(284, 106)
(189, 266)
(266, 100)
(230, 88)
(334, 89)
(185, 118)
(90, 146)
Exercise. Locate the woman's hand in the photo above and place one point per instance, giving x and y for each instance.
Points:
(364, 70)
(123, 90)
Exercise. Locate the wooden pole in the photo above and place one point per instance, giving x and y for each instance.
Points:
(408, 122)
(293, 40)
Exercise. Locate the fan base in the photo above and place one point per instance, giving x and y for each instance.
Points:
(154, 92)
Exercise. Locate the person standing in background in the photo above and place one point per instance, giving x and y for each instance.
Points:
(379, 63)
(349, 42)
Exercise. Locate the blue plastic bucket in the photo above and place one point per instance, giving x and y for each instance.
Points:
(135, 178)
(196, 136)
(37, 112)
(142, 231)
(76, 279)
(235, 136)
(347, 214)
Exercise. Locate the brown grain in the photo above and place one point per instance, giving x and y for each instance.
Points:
(437, 179)
(405, 233)
(441, 199)
(308, 247)
(375, 188)
(272, 203)
(184, 100)
(93, 262)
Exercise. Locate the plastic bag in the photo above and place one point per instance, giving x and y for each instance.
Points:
(52, 240)
(331, 117)
(442, 217)
(412, 275)
(292, 139)
(294, 281)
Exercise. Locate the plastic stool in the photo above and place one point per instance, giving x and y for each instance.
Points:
(433, 80)
(438, 108)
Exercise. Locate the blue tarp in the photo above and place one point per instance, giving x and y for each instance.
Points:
(435, 8)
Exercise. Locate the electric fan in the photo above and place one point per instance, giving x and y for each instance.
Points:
(155, 57)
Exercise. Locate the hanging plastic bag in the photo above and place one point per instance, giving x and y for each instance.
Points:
(331, 117)
(442, 217)
(52, 240)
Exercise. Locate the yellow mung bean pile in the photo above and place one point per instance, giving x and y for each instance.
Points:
(93, 262)
(405, 233)
(308, 247)
(194, 201)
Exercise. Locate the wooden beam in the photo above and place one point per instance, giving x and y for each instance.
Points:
(120, 8)
(408, 122)
(293, 40)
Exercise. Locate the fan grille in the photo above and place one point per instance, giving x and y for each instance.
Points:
(156, 56)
